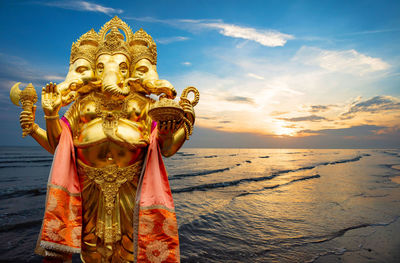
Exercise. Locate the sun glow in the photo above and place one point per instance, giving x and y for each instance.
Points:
(281, 128)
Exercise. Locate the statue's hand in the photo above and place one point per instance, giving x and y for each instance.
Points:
(51, 99)
(167, 128)
(27, 120)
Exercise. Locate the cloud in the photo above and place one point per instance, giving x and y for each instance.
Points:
(16, 69)
(53, 77)
(318, 108)
(346, 61)
(290, 93)
(269, 38)
(240, 99)
(205, 118)
(252, 75)
(278, 113)
(374, 105)
(84, 6)
(168, 40)
(305, 118)
(265, 37)
(291, 126)
(361, 130)
(186, 63)
(367, 32)
(203, 137)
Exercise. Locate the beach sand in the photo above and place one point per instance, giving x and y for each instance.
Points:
(370, 243)
(367, 245)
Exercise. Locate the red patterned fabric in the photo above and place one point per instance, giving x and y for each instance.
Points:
(157, 237)
(62, 223)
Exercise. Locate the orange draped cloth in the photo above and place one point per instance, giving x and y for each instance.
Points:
(157, 237)
(62, 222)
(155, 226)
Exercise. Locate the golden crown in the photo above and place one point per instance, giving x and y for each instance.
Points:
(113, 42)
(85, 47)
(109, 40)
(143, 46)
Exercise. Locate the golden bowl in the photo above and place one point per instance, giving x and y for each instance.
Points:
(166, 110)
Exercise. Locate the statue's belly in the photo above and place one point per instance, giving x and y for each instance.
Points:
(98, 149)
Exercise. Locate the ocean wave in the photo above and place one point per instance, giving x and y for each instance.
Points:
(205, 187)
(364, 195)
(8, 180)
(355, 159)
(279, 185)
(185, 154)
(317, 239)
(24, 166)
(24, 157)
(341, 232)
(391, 153)
(21, 225)
(21, 192)
(27, 161)
(205, 172)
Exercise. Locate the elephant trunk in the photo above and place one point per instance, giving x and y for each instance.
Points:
(112, 83)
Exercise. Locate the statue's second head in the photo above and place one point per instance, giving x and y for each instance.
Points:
(83, 56)
(144, 60)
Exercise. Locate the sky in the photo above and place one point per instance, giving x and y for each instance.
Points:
(271, 74)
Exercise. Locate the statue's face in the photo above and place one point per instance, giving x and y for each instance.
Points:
(80, 73)
(112, 70)
(112, 64)
(82, 69)
(145, 70)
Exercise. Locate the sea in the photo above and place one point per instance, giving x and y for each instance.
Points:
(243, 205)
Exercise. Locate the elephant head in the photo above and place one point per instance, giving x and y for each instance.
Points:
(145, 79)
(79, 75)
(81, 69)
(112, 70)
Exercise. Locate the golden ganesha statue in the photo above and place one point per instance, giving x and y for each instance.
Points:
(108, 195)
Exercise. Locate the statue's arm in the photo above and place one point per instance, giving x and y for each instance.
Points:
(27, 122)
(53, 128)
(40, 136)
(170, 142)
